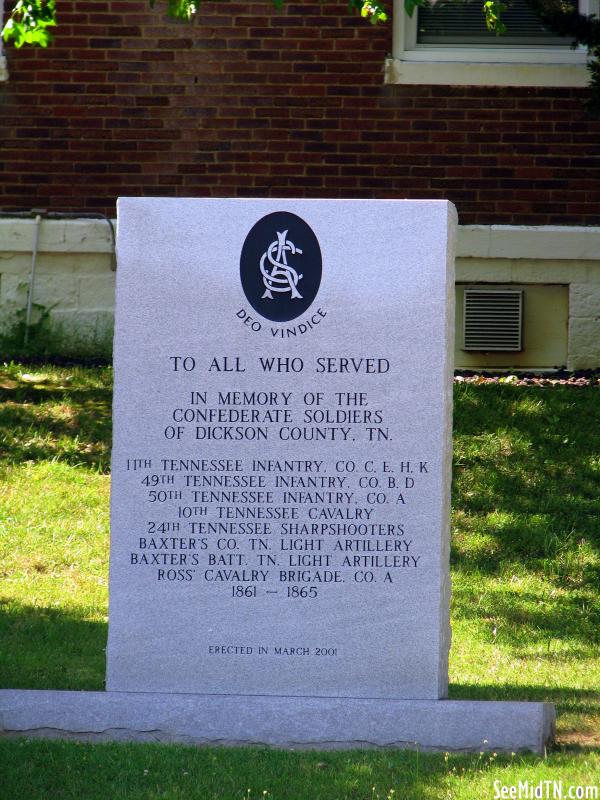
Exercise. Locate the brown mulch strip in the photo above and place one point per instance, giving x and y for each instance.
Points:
(585, 378)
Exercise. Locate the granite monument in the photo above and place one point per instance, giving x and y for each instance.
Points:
(281, 482)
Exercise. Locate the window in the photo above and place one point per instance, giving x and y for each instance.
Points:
(449, 44)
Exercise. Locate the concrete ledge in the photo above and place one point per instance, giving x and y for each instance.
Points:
(56, 236)
(74, 267)
(299, 722)
(547, 242)
(544, 242)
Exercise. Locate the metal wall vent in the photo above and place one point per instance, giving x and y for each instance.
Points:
(493, 319)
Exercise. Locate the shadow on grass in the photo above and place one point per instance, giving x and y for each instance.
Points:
(565, 698)
(524, 619)
(527, 479)
(50, 648)
(69, 424)
(43, 769)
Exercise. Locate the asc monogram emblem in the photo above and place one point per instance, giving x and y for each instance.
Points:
(282, 277)
(280, 266)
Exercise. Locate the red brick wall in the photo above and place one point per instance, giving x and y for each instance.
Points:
(250, 102)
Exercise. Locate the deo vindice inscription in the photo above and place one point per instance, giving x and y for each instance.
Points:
(280, 266)
(280, 483)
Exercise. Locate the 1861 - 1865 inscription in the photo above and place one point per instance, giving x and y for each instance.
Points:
(281, 453)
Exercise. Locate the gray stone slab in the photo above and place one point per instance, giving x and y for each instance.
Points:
(306, 722)
(370, 377)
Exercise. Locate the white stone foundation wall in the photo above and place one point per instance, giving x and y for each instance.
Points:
(75, 279)
(542, 255)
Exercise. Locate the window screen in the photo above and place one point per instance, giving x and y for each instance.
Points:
(463, 22)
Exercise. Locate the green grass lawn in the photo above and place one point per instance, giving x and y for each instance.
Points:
(525, 609)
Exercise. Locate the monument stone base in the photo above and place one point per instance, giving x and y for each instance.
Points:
(291, 722)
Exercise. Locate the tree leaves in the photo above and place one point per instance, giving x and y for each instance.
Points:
(493, 10)
(29, 22)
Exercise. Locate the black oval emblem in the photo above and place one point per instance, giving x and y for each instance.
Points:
(280, 266)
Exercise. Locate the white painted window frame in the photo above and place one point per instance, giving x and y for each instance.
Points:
(475, 65)
(3, 70)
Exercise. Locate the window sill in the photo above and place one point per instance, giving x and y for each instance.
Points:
(459, 73)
